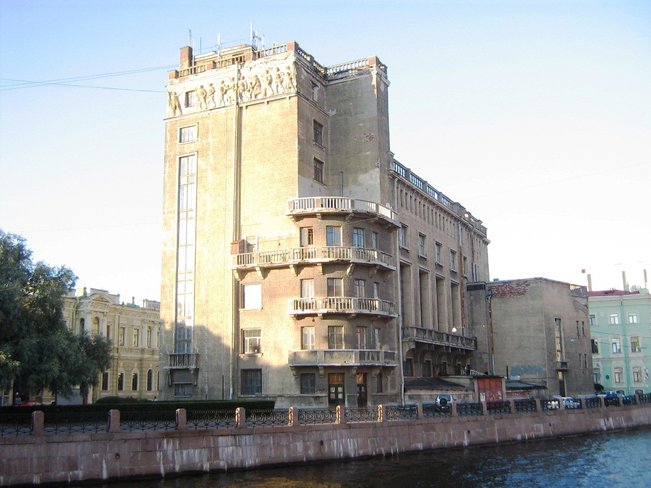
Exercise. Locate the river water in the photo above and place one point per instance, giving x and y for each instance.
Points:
(616, 459)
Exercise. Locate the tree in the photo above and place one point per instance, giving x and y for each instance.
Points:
(37, 351)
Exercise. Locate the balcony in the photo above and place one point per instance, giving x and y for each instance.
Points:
(313, 255)
(183, 361)
(341, 205)
(341, 305)
(561, 366)
(341, 357)
(434, 337)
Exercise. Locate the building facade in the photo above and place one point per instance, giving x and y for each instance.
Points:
(301, 261)
(620, 324)
(536, 331)
(134, 332)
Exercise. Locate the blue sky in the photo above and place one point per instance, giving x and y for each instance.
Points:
(535, 115)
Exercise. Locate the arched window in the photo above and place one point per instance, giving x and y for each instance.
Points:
(96, 325)
(134, 382)
(150, 380)
(120, 381)
(82, 325)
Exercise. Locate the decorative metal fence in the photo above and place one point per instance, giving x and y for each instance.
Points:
(498, 408)
(267, 417)
(401, 412)
(361, 415)
(430, 410)
(525, 405)
(469, 410)
(15, 424)
(72, 423)
(141, 421)
(210, 419)
(309, 416)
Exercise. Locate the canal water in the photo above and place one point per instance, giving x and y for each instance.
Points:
(616, 459)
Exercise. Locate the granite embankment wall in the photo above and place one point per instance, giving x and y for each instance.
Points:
(39, 459)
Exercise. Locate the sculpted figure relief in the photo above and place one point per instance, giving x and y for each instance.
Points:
(278, 82)
(211, 96)
(290, 79)
(201, 95)
(173, 103)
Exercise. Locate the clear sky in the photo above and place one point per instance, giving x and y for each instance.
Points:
(535, 115)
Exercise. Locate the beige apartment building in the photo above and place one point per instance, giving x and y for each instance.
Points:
(134, 332)
(534, 330)
(301, 261)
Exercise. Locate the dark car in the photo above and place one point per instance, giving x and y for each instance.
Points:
(610, 398)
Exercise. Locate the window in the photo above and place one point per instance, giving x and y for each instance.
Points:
(402, 236)
(360, 288)
(613, 319)
(315, 91)
(335, 287)
(637, 374)
(105, 381)
(633, 318)
(333, 235)
(308, 383)
(376, 289)
(374, 240)
(136, 338)
(583, 328)
(635, 344)
(616, 346)
(108, 331)
(358, 237)
(438, 247)
(453, 260)
(307, 288)
(148, 336)
(183, 390)
(318, 170)
(592, 320)
(464, 266)
(251, 382)
(318, 132)
(376, 338)
(409, 367)
(361, 337)
(421, 245)
(335, 337)
(596, 375)
(378, 383)
(120, 381)
(121, 333)
(190, 98)
(578, 331)
(134, 382)
(307, 338)
(307, 236)
(188, 134)
(252, 296)
(251, 341)
(617, 373)
(595, 346)
(82, 323)
(150, 380)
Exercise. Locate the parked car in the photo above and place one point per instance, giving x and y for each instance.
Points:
(568, 401)
(610, 397)
(443, 402)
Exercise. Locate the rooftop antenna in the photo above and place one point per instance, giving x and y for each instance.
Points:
(219, 43)
(254, 36)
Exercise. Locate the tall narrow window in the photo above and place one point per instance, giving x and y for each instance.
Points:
(360, 288)
(190, 98)
(307, 338)
(308, 383)
(134, 382)
(307, 236)
(120, 381)
(105, 381)
(318, 133)
(374, 240)
(361, 337)
(136, 338)
(358, 237)
(402, 236)
(616, 345)
(558, 338)
(333, 235)
(635, 344)
(453, 260)
(421, 246)
(335, 337)
(438, 248)
(121, 333)
(307, 288)
(318, 170)
(251, 382)
(150, 380)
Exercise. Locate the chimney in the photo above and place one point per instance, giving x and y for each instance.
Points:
(186, 57)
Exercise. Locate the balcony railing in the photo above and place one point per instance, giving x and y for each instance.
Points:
(342, 357)
(317, 205)
(298, 255)
(345, 305)
(183, 360)
(429, 336)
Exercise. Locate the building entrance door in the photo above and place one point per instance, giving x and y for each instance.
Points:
(336, 393)
(361, 390)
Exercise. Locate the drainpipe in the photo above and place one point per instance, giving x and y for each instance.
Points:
(399, 301)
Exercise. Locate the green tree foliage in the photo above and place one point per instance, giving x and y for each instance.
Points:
(37, 351)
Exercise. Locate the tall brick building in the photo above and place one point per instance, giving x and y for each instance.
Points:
(301, 261)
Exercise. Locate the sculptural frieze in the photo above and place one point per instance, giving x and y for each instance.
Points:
(252, 83)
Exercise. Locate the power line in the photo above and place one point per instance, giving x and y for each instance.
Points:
(73, 85)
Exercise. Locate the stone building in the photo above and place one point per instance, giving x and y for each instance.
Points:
(134, 332)
(534, 330)
(301, 261)
(620, 321)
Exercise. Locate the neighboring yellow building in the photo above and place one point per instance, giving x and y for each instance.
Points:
(134, 332)
(301, 261)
